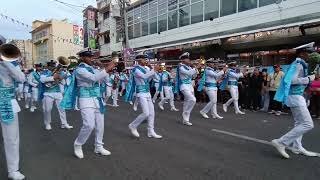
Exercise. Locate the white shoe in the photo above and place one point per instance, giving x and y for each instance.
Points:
(161, 106)
(154, 101)
(134, 132)
(27, 106)
(16, 176)
(174, 109)
(225, 107)
(278, 113)
(154, 135)
(102, 151)
(214, 116)
(19, 99)
(187, 123)
(135, 108)
(204, 115)
(280, 148)
(48, 127)
(240, 112)
(130, 102)
(303, 152)
(66, 126)
(32, 109)
(115, 105)
(78, 151)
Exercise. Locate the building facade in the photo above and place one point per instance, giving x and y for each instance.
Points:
(108, 26)
(25, 47)
(229, 27)
(55, 38)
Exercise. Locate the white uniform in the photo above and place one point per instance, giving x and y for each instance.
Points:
(20, 91)
(211, 89)
(144, 99)
(115, 92)
(26, 92)
(167, 81)
(233, 89)
(49, 98)
(124, 80)
(108, 93)
(156, 81)
(90, 106)
(186, 72)
(33, 80)
(10, 132)
(301, 115)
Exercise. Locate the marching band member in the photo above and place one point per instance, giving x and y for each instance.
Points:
(10, 73)
(156, 81)
(115, 87)
(123, 81)
(86, 88)
(140, 83)
(184, 84)
(52, 94)
(109, 83)
(291, 92)
(166, 80)
(209, 81)
(231, 80)
(26, 89)
(20, 90)
(34, 82)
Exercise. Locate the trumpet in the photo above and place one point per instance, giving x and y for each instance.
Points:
(62, 63)
(9, 52)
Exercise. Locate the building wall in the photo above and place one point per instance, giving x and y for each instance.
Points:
(25, 47)
(287, 12)
(58, 41)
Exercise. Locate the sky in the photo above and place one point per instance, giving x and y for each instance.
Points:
(27, 11)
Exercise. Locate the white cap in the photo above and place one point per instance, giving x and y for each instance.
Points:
(307, 47)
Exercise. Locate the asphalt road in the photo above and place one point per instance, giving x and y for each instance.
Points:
(185, 153)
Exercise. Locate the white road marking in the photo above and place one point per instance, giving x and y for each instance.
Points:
(248, 138)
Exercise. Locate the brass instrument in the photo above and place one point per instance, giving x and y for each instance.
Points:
(9, 52)
(62, 63)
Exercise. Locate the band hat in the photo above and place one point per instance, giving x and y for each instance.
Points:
(306, 48)
(141, 56)
(85, 53)
(185, 55)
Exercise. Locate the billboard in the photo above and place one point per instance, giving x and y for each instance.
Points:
(77, 35)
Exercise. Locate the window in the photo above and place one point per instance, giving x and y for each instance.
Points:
(144, 28)
(197, 12)
(153, 25)
(130, 18)
(173, 19)
(172, 4)
(106, 15)
(106, 38)
(144, 12)
(153, 8)
(162, 8)
(162, 23)
(136, 31)
(137, 15)
(245, 5)
(266, 2)
(228, 7)
(211, 9)
(130, 32)
(184, 16)
(183, 3)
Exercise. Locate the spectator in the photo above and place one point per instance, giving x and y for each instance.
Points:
(274, 81)
(255, 86)
(244, 91)
(264, 91)
(315, 97)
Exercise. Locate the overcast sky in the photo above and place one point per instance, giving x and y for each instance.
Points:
(27, 11)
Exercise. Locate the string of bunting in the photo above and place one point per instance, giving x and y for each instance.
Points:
(58, 39)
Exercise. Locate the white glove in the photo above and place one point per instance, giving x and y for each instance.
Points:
(312, 77)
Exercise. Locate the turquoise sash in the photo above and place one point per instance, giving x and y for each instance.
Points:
(131, 87)
(210, 84)
(297, 90)
(178, 79)
(6, 109)
(232, 83)
(143, 88)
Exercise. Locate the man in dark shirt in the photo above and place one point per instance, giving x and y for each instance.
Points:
(255, 86)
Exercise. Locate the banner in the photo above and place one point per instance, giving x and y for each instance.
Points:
(77, 35)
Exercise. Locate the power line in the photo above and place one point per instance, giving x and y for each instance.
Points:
(68, 4)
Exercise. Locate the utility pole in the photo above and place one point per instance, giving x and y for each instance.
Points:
(124, 30)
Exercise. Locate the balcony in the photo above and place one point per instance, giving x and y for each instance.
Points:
(103, 5)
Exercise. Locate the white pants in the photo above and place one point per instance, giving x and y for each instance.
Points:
(155, 96)
(92, 118)
(302, 124)
(47, 104)
(188, 103)
(27, 99)
(114, 94)
(212, 105)
(147, 113)
(20, 91)
(11, 140)
(234, 98)
(34, 96)
(169, 96)
(108, 93)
